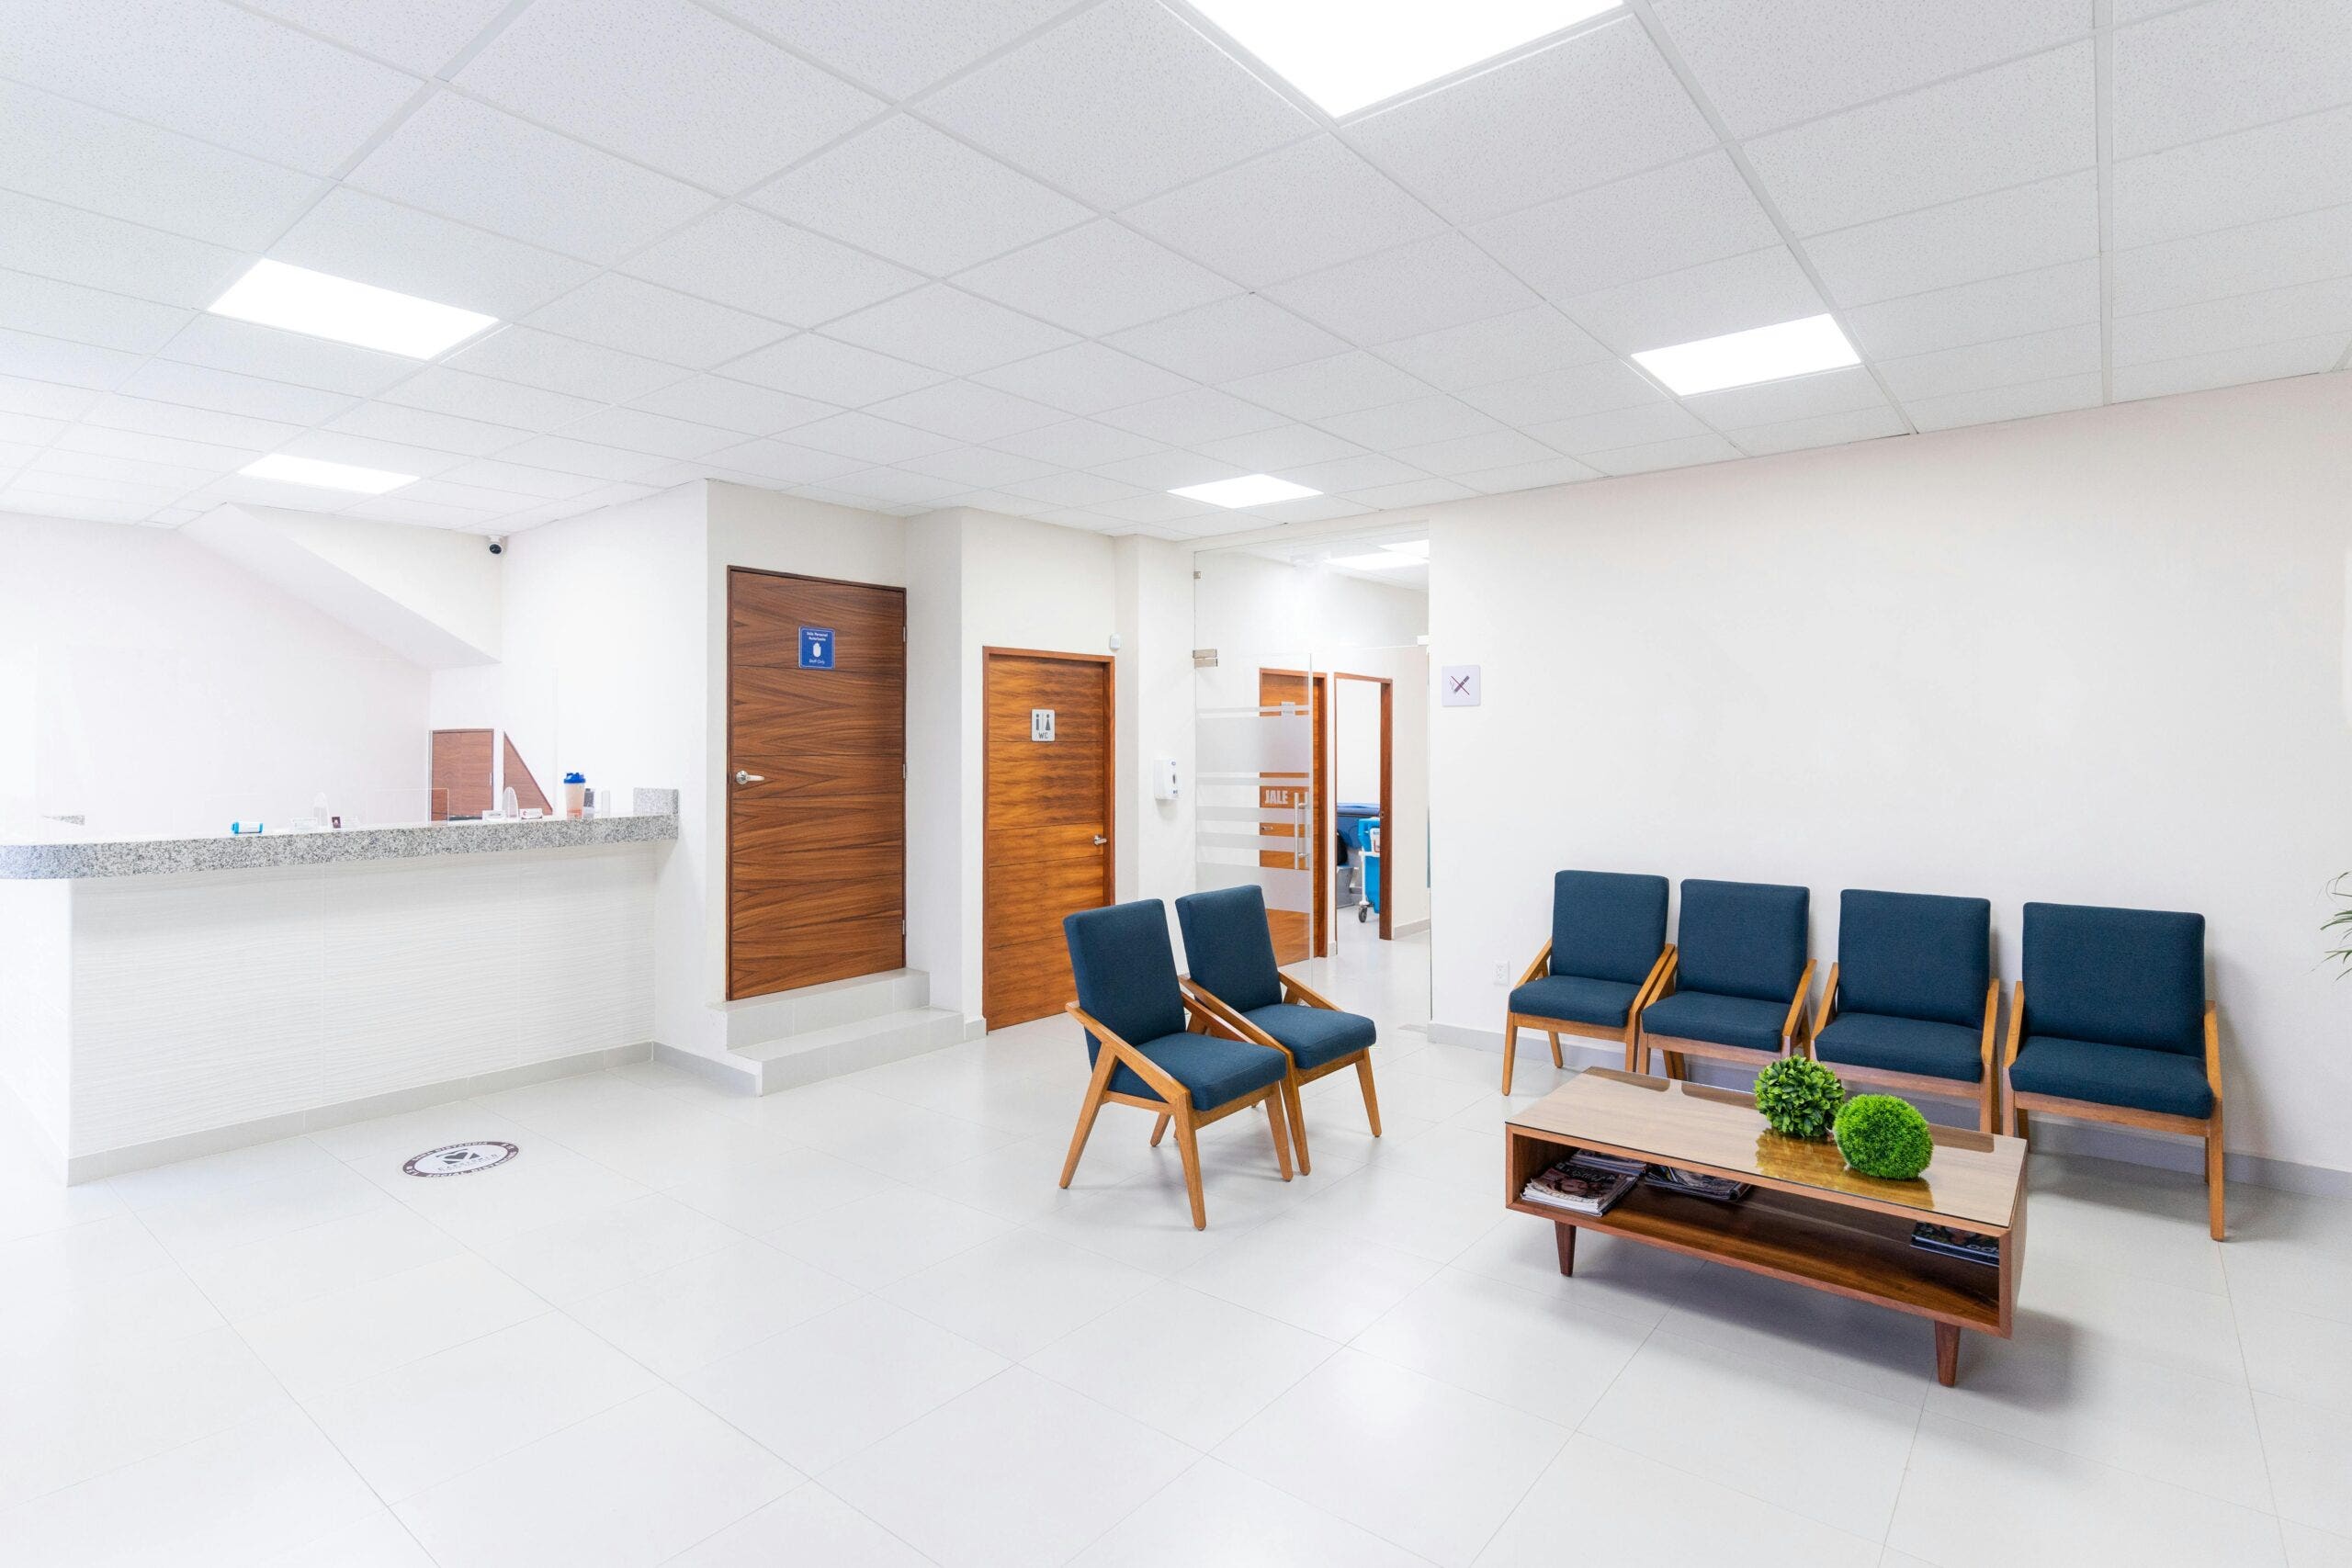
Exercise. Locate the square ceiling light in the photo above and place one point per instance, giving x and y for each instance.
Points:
(1249, 490)
(1345, 54)
(276, 295)
(1742, 359)
(320, 474)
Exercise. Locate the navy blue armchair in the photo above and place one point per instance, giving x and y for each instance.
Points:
(1607, 958)
(2111, 1023)
(1230, 950)
(1736, 986)
(1911, 1003)
(1150, 1042)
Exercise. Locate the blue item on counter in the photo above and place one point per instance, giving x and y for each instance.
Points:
(237, 830)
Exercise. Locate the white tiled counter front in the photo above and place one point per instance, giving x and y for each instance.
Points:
(147, 1014)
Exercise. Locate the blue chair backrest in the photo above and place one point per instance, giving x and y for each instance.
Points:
(1126, 970)
(1914, 956)
(2115, 976)
(1742, 938)
(1607, 925)
(1229, 948)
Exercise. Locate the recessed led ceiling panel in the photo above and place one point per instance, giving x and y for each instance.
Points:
(1742, 359)
(1345, 54)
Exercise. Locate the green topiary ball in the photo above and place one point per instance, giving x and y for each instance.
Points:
(1799, 1096)
(1880, 1136)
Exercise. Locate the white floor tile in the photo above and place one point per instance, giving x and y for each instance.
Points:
(190, 1180)
(690, 1316)
(1018, 1293)
(1436, 1220)
(1146, 1226)
(34, 1204)
(2311, 1462)
(1305, 1274)
(2300, 1275)
(83, 1257)
(2295, 1354)
(2189, 1330)
(378, 1542)
(333, 1340)
(573, 1260)
(286, 1271)
(1214, 1514)
(394, 1139)
(876, 1240)
(2143, 1230)
(809, 1525)
(1021, 1182)
(1774, 1323)
(788, 1186)
(1613, 1275)
(2308, 1547)
(260, 1211)
(541, 1186)
(1541, 1352)
(159, 1305)
(1018, 1472)
(628, 1488)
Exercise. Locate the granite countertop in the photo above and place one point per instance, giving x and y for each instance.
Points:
(656, 819)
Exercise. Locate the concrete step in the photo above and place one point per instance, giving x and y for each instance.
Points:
(804, 1057)
(757, 1021)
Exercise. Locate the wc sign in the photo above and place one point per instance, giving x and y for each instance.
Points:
(816, 648)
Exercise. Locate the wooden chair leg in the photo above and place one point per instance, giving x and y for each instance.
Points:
(1986, 1115)
(1188, 1145)
(1159, 1129)
(1510, 1050)
(1297, 1113)
(2216, 1161)
(1277, 1125)
(1371, 1097)
(1553, 1036)
(1086, 1114)
(1632, 1050)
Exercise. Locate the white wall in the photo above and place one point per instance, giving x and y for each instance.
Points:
(1154, 586)
(173, 692)
(1355, 741)
(2094, 658)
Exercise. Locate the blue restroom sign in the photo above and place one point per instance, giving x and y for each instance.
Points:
(816, 648)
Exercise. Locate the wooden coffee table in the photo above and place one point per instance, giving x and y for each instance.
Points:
(1808, 1219)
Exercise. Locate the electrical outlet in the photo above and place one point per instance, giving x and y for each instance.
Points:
(1502, 974)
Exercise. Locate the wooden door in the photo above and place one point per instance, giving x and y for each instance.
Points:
(816, 793)
(1047, 823)
(1299, 935)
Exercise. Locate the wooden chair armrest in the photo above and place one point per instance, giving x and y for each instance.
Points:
(2017, 1025)
(1299, 991)
(1227, 1017)
(2213, 1051)
(1828, 1002)
(1666, 980)
(1793, 1026)
(1653, 982)
(1163, 1083)
(1541, 967)
(1992, 1022)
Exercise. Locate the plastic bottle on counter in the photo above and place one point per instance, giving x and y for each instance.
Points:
(575, 793)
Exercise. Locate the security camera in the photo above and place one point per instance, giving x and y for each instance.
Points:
(498, 544)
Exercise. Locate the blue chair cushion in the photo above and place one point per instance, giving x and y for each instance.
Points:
(1723, 1021)
(1215, 1071)
(2144, 1079)
(1743, 939)
(1314, 1035)
(1572, 996)
(1915, 955)
(2115, 976)
(1228, 947)
(1607, 926)
(1126, 970)
(1903, 1046)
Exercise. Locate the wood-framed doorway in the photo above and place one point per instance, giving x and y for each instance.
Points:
(1049, 827)
(1387, 685)
(1300, 935)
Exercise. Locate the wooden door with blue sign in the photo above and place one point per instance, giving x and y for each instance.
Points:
(1047, 764)
(815, 787)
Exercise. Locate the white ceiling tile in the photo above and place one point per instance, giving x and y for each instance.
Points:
(126, 470)
(1731, 295)
(557, 364)
(195, 386)
(1684, 452)
(1304, 208)
(1095, 279)
(1535, 474)
(210, 71)
(1074, 490)
(149, 449)
(1309, 509)
(250, 350)
(352, 234)
(1413, 492)
(948, 329)
(40, 503)
(754, 262)
(1964, 241)
(1588, 110)
(1001, 503)
(656, 322)
(2229, 367)
(2249, 321)
(1821, 430)
(1998, 403)
(29, 430)
(467, 160)
(2294, 166)
(1285, 447)
(1410, 423)
(14, 455)
(1085, 378)
(1119, 103)
(1695, 211)
(2304, 248)
(2027, 120)
(1768, 66)
(1079, 517)
(668, 83)
(422, 427)
(1421, 287)
(568, 456)
(1341, 384)
(1497, 349)
(2210, 69)
(1187, 419)
(2033, 301)
(895, 486)
(103, 253)
(634, 430)
(1234, 338)
(897, 46)
(521, 478)
(493, 401)
(1662, 420)
(872, 439)
(336, 446)
(47, 400)
(905, 191)
(421, 38)
(221, 429)
(86, 158)
(982, 466)
(2038, 356)
(1368, 471)
(1171, 470)
(56, 309)
(968, 412)
(1078, 444)
(830, 372)
(734, 405)
(1798, 397)
(1595, 386)
(1471, 453)
(37, 358)
(1161, 508)
(428, 510)
(85, 487)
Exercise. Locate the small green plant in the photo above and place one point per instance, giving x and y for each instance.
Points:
(1799, 1096)
(2338, 926)
(1880, 1136)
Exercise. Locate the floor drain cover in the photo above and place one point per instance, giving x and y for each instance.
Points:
(459, 1159)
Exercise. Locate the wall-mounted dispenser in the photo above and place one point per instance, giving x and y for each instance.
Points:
(1164, 783)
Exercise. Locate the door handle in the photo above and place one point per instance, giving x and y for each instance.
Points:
(743, 778)
(1100, 840)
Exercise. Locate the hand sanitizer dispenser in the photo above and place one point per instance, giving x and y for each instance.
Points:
(1164, 783)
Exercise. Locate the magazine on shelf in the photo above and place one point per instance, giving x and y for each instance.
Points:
(1696, 1184)
(1579, 1187)
(1593, 1159)
(1954, 1242)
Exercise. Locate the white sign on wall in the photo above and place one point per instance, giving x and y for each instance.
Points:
(1458, 686)
(1041, 724)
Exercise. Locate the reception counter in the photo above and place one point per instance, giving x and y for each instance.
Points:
(166, 997)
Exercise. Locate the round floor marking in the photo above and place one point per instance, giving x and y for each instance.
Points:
(460, 1160)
